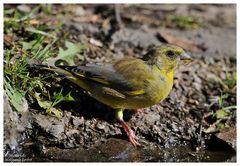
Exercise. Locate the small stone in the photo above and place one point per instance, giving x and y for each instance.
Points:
(79, 11)
(57, 130)
(77, 121)
(24, 8)
(95, 42)
(100, 126)
(174, 127)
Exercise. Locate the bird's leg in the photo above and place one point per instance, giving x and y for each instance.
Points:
(132, 137)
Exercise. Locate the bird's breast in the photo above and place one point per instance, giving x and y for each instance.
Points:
(160, 88)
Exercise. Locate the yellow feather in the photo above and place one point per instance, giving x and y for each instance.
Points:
(100, 80)
(137, 92)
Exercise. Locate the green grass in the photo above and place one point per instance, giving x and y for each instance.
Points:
(229, 83)
(49, 105)
(222, 115)
(32, 43)
(183, 22)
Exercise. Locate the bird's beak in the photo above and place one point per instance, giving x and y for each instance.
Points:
(185, 58)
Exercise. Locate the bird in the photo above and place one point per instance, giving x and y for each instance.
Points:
(129, 83)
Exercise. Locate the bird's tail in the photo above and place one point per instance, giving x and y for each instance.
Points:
(42, 66)
(61, 72)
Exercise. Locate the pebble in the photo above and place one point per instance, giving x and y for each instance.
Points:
(24, 8)
(77, 121)
(100, 126)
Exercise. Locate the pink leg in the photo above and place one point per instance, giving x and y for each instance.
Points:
(132, 137)
(128, 130)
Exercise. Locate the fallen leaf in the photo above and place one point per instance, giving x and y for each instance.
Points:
(106, 24)
(88, 18)
(34, 22)
(228, 135)
(66, 55)
(16, 57)
(181, 42)
(9, 39)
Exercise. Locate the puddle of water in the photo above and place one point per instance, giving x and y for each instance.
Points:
(117, 150)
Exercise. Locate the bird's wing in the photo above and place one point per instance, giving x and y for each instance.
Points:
(120, 76)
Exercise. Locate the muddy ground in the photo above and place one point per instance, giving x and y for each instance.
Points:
(181, 128)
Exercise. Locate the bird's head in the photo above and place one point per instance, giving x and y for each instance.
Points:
(167, 57)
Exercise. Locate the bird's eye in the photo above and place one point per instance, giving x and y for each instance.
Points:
(170, 54)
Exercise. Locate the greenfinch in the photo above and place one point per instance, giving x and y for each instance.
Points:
(129, 83)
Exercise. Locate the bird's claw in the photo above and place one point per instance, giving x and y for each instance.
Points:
(132, 137)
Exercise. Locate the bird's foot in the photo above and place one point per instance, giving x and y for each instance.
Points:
(132, 137)
(128, 130)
